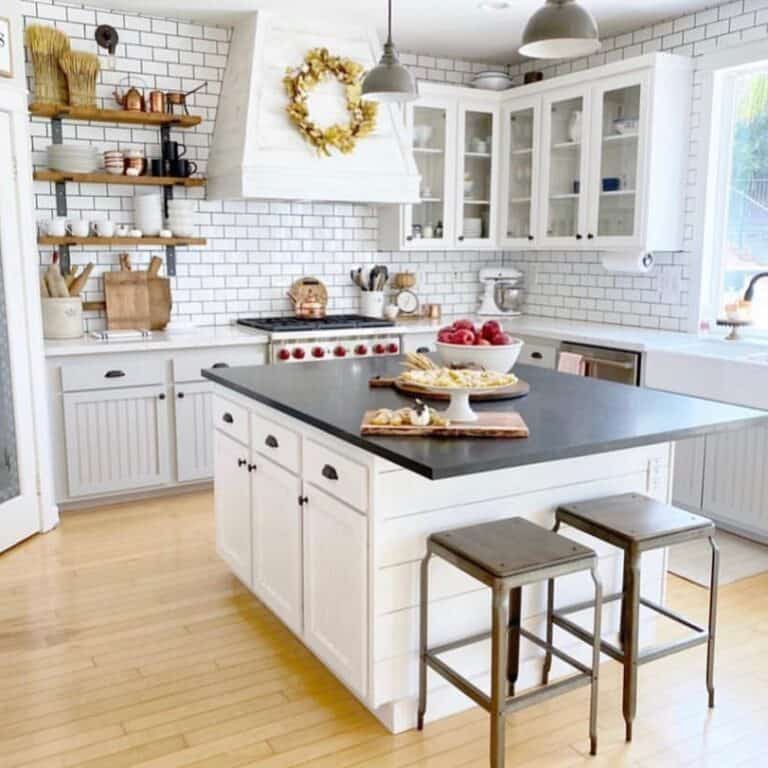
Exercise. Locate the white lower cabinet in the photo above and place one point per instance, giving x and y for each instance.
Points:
(232, 504)
(277, 545)
(194, 452)
(116, 439)
(688, 484)
(335, 594)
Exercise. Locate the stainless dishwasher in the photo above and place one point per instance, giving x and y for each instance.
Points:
(605, 363)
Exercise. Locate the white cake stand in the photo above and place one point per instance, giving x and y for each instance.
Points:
(459, 408)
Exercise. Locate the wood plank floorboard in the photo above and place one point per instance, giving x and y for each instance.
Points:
(125, 642)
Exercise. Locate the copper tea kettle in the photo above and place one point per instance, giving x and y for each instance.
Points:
(132, 99)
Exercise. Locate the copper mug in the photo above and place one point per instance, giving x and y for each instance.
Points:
(156, 101)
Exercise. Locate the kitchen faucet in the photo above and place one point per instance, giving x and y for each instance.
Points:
(748, 294)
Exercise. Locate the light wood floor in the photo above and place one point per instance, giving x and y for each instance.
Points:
(124, 641)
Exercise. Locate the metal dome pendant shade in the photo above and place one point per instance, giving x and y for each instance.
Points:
(389, 80)
(562, 29)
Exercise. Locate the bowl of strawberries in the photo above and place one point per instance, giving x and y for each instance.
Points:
(488, 346)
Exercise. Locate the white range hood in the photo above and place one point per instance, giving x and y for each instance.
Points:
(258, 153)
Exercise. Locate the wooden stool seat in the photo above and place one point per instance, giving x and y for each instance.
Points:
(637, 524)
(511, 547)
(506, 556)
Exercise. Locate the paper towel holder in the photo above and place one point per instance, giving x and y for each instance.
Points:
(627, 261)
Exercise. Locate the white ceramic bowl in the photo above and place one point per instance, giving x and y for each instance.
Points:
(501, 359)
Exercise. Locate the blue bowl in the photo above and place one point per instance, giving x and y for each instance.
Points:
(611, 184)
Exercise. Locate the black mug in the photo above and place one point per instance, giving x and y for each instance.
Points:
(182, 168)
(158, 167)
(173, 150)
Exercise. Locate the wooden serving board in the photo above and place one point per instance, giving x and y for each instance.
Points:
(520, 389)
(160, 302)
(127, 297)
(489, 424)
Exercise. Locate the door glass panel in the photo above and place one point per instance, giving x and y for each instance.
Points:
(565, 167)
(478, 145)
(428, 217)
(9, 470)
(520, 127)
(618, 165)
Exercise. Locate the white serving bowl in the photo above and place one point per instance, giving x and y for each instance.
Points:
(501, 359)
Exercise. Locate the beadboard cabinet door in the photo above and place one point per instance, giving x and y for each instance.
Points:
(116, 439)
(335, 587)
(277, 567)
(232, 505)
(194, 422)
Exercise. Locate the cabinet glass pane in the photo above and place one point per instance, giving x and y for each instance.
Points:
(478, 145)
(520, 173)
(618, 164)
(427, 217)
(9, 470)
(565, 168)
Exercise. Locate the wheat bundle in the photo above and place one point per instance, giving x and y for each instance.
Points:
(81, 70)
(46, 45)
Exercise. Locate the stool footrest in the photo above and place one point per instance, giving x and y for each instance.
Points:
(575, 663)
(583, 606)
(549, 691)
(670, 614)
(460, 682)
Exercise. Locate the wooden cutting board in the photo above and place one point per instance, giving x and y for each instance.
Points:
(520, 389)
(127, 298)
(489, 424)
(160, 302)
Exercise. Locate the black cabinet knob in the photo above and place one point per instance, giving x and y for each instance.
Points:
(114, 374)
(227, 418)
(409, 238)
(252, 467)
(578, 237)
(161, 396)
(590, 236)
(242, 462)
(330, 472)
(303, 500)
(530, 237)
(271, 441)
(461, 238)
(180, 395)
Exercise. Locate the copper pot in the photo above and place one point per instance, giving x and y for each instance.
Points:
(156, 101)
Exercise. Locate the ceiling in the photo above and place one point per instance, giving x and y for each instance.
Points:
(450, 28)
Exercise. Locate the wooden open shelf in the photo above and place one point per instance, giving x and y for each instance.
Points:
(107, 241)
(156, 119)
(109, 178)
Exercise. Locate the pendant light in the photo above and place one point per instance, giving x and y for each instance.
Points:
(389, 80)
(562, 29)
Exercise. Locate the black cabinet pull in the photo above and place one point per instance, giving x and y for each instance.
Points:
(242, 462)
(220, 365)
(423, 350)
(180, 395)
(227, 418)
(252, 467)
(114, 374)
(303, 500)
(161, 396)
(271, 441)
(330, 472)
(537, 356)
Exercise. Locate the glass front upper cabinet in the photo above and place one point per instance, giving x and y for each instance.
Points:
(565, 169)
(476, 182)
(521, 150)
(617, 137)
(425, 222)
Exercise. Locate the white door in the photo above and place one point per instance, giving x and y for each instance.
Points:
(277, 544)
(232, 501)
(335, 586)
(194, 422)
(19, 506)
(616, 184)
(117, 439)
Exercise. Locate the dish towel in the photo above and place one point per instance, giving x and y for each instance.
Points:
(571, 363)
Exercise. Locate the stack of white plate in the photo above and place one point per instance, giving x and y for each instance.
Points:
(148, 213)
(182, 218)
(473, 228)
(73, 158)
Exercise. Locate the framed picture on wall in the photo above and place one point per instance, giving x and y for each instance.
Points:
(6, 61)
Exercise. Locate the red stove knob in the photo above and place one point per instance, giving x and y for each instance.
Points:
(361, 349)
(340, 352)
(283, 354)
(379, 349)
(298, 353)
(318, 352)
(393, 348)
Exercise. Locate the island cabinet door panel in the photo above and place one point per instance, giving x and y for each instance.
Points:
(688, 478)
(335, 587)
(194, 426)
(232, 504)
(277, 543)
(116, 440)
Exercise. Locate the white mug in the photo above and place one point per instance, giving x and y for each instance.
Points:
(122, 230)
(56, 227)
(135, 233)
(80, 227)
(105, 228)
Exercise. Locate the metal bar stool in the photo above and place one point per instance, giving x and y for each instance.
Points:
(637, 524)
(505, 556)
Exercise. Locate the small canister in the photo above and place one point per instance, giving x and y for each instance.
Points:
(156, 101)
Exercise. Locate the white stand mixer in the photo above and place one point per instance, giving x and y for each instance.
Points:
(503, 293)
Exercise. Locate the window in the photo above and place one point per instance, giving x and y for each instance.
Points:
(740, 226)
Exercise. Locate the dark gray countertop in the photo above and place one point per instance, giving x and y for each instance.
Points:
(567, 415)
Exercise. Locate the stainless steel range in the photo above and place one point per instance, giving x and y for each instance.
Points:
(297, 340)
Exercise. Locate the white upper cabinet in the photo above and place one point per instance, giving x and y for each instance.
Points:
(589, 161)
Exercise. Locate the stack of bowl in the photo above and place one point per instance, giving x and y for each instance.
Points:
(73, 158)
(182, 218)
(114, 162)
(148, 213)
